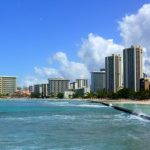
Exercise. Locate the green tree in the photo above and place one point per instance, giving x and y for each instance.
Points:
(60, 95)
(35, 95)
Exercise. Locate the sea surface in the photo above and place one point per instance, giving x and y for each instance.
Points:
(70, 125)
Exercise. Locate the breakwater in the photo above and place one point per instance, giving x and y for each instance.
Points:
(125, 110)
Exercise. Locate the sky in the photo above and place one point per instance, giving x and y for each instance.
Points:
(40, 39)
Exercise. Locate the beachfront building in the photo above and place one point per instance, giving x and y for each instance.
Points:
(31, 89)
(57, 85)
(41, 89)
(82, 83)
(98, 80)
(7, 85)
(38, 88)
(132, 67)
(73, 86)
(145, 84)
(44, 90)
(113, 73)
(68, 94)
(80, 92)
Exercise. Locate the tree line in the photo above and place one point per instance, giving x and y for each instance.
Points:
(121, 94)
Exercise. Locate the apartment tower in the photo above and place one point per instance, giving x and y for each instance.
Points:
(57, 85)
(98, 81)
(133, 67)
(113, 73)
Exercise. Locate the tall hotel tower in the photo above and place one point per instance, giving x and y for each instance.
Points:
(113, 73)
(133, 67)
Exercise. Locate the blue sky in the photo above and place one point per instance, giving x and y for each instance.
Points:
(32, 31)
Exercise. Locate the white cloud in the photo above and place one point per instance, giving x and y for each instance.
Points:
(45, 71)
(67, 69)
(70, 69)
(135, 29)
(31, 80)
(95, 48)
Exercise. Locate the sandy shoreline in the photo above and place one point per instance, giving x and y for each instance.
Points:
(123, 101)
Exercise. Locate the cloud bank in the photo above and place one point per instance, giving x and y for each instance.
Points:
(134, 29)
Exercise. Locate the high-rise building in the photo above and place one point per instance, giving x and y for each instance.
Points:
(7, 85)
(132, 67)
(97, 81)
(31, 89)
(57, 85)
(73, 86)
(113, 73)
(38, 88)
(44, 90)
(82, 83)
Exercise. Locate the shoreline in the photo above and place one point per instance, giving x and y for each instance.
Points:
(119, 101)
(123, 101)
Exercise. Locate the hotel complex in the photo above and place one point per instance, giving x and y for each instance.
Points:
(108, 79)
(7, 85)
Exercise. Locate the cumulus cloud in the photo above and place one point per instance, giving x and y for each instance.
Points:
(70, 69)
(134, 29)
(95, 48)
(67, 69)
(46, 71)
(31, 80)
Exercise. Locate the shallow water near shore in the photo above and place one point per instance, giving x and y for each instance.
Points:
(69, 125)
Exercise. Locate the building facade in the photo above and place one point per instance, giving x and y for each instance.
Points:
(57, 85)
(132, 67)
(31, 89)
(113, 73)
(7, 85)
(145, 84)
(82, 83)
(44, 90)
(73, 86)
(38, 88)
(98, 81)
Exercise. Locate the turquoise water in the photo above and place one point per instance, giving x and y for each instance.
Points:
(69, 125)
(140, 108)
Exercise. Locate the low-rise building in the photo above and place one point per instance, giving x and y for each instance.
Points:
(68, 94)
(145, 84)
(82, 92)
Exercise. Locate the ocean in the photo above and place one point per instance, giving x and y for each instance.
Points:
(70, 125)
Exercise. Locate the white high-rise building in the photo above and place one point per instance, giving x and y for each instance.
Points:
(113, 73)
(82, 83)
(97, 81)
(132, 67)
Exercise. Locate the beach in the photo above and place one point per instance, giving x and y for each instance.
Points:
(123, 101)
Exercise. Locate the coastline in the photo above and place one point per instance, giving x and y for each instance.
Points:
(109, 101)
(123, 101)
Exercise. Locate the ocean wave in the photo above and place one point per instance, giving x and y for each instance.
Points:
(91, 106)
(31, 118)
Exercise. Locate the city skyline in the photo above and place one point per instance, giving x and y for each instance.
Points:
(69, 40)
